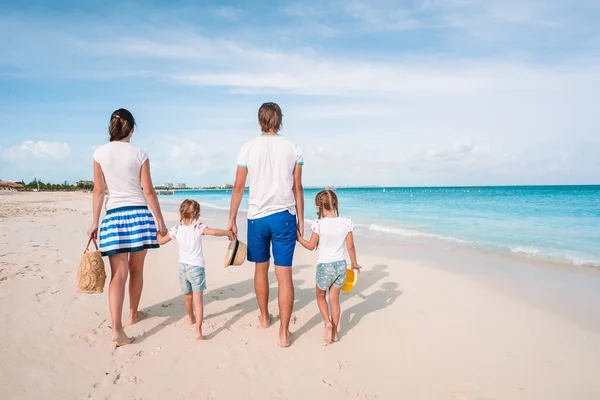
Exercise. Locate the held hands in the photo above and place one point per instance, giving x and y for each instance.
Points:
(232, 227)
(300, 228)
(162, 229)
(231, 235)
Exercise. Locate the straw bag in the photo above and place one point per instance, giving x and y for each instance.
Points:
(91, 275)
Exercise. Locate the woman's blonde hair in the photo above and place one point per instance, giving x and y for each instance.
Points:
(326, 200)
(189, 209)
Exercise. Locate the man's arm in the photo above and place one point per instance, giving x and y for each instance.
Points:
(299, 197)
(236, 197)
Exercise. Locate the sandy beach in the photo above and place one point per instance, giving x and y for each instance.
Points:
(421, 324)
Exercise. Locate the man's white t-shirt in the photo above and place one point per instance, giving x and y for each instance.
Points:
(332, 238)
(121, 164)
(270, 160)
(189, 241)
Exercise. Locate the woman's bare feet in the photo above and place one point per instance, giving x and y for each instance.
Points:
(192, 319)
(328, 332)
(335, 337)
(199, 335)
(137, 317)
(121, 339)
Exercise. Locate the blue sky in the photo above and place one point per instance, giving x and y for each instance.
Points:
(379, 92)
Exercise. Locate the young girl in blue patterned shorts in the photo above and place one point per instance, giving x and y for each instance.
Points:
(331, 235)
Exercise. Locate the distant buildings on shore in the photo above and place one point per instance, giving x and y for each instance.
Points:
(170, 185)
(7, 185)
(182, 186)
(84, 184)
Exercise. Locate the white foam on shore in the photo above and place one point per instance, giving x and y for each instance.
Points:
(528, 250)
(410, 233)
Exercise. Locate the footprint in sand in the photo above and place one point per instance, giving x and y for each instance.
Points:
(123, 379)
(342, 364)
(329, 382)
(46, 293)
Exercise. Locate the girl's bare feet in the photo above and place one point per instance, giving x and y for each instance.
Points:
(199, 335)
(137, 317)
(192, 319)
(328, 332)
(121, 339)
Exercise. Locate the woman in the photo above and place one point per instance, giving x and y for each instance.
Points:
(122, 173)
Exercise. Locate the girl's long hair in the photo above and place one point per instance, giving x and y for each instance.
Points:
(326, 200)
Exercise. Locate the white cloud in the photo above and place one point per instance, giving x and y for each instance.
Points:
(40, 150)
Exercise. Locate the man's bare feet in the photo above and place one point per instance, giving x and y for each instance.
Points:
(121, 339)
(328, 332)
(137, 317)
(192, 320)
(286, 339)
(265, 322)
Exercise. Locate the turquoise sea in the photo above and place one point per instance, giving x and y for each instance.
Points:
(554, 222)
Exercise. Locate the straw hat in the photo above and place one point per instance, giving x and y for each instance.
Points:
(236, 253)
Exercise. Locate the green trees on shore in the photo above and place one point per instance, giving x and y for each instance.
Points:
(37, 184)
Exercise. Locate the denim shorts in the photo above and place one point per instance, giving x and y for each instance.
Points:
(331, 274)
(277, 230)
(192, 278)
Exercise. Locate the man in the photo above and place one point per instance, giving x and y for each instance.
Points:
(274, 166)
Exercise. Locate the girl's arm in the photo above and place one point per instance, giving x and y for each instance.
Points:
(219, 232)
(151, 198)
(309, 244)
(97, 200)
(352, 250)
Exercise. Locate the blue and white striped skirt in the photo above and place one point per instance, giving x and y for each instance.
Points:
(127, 230)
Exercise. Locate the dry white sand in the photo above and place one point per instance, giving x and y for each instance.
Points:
(410, 330)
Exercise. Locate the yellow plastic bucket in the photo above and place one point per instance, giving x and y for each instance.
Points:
(351, 279)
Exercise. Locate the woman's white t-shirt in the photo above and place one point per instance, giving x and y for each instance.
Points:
(332, 238)
(189, 241)
(121, 164)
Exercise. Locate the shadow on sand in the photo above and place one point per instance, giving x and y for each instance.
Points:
(374, 302)
(173, 310)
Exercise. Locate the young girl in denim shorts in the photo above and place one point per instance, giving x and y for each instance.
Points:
(331, 235)
(192, 278)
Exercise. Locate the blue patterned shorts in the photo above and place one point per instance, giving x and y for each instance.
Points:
(331, 274)
(192, 278)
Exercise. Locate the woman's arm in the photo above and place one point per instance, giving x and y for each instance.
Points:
(219, 232)
(236, 197)
(299, 197)
(97, 200)
(151, 198)
(309, 244)
(352, 250)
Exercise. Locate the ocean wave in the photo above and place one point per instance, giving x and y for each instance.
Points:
(410, 233)
(527, 250)
(579, 259)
